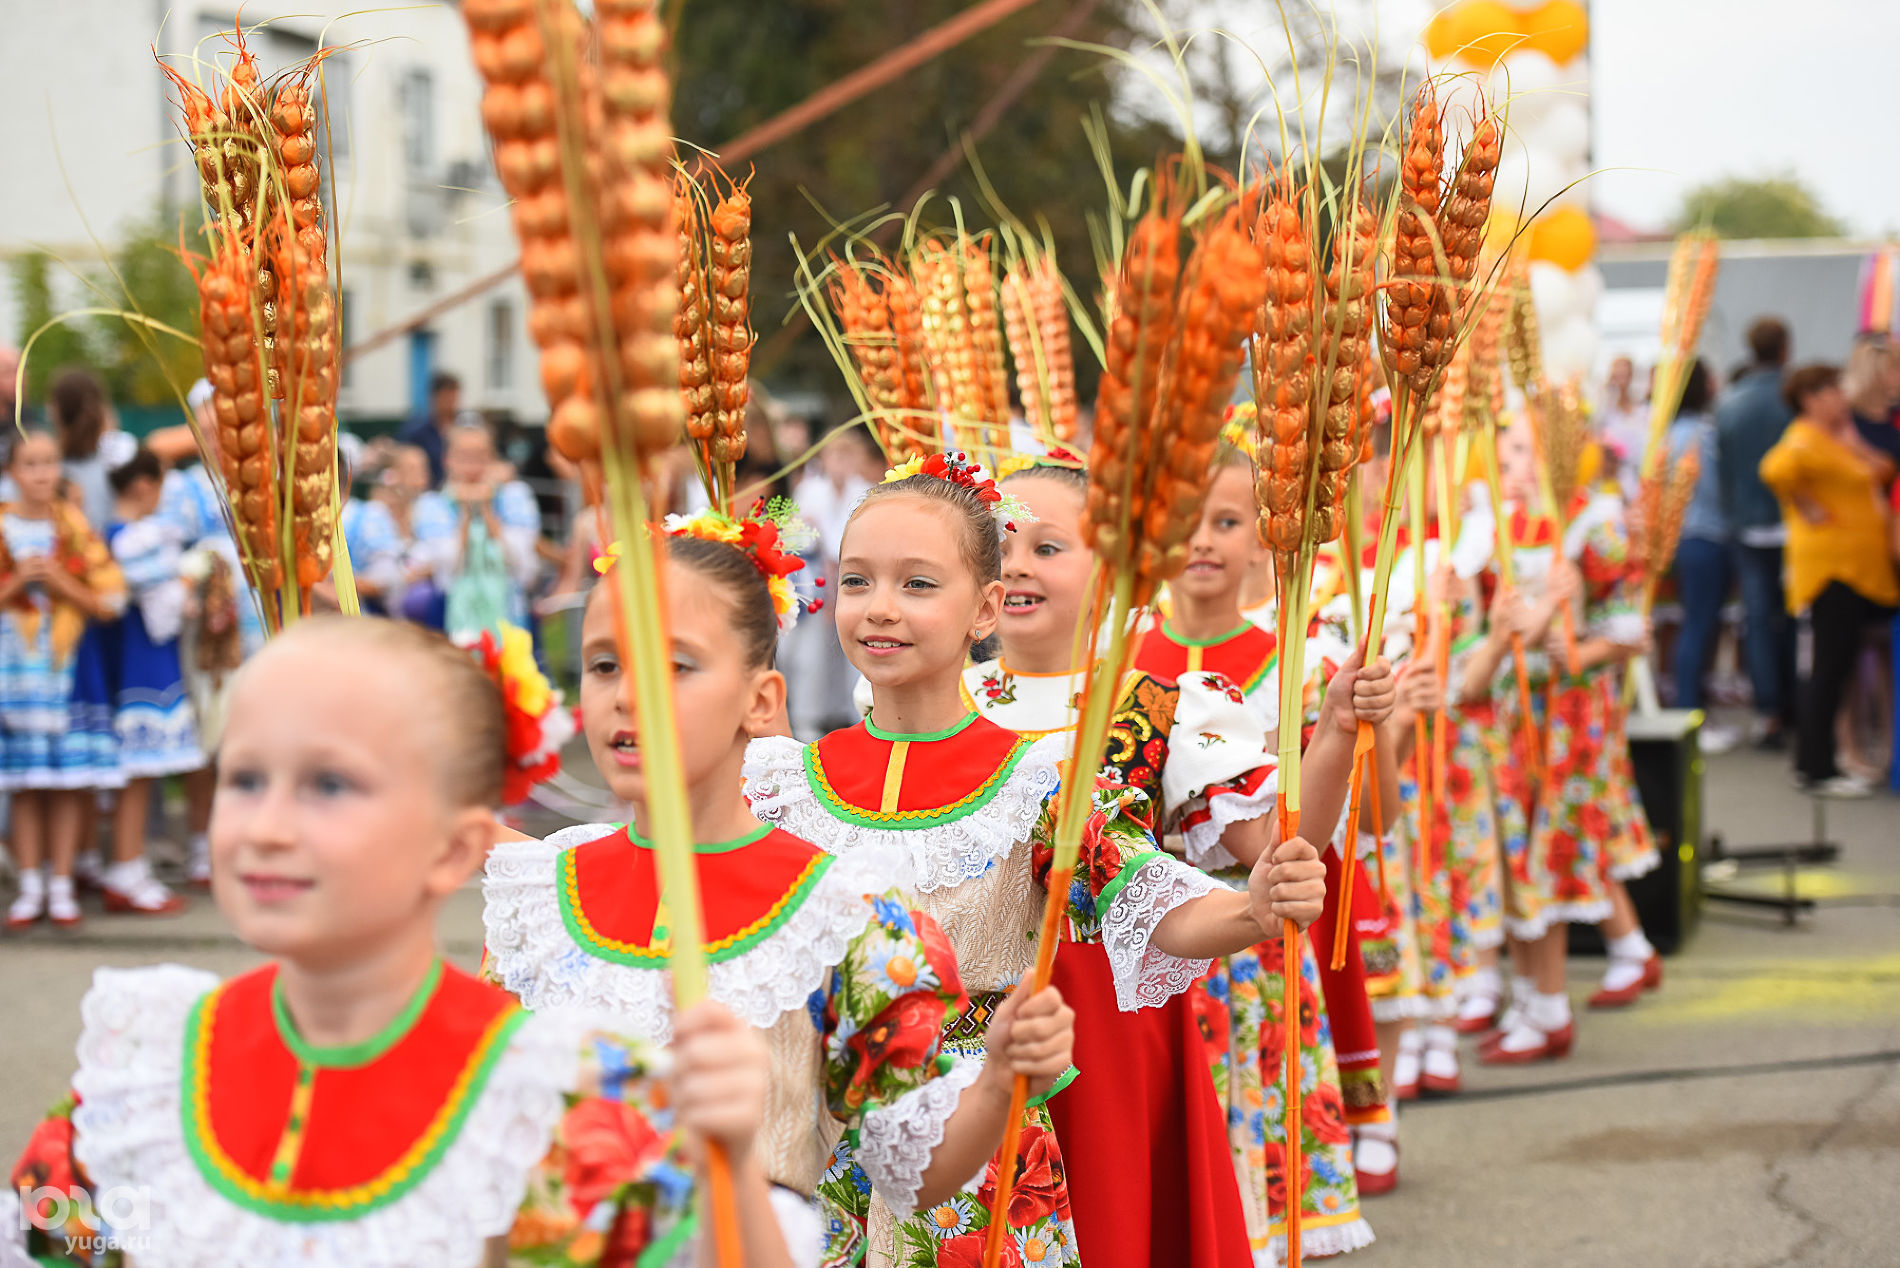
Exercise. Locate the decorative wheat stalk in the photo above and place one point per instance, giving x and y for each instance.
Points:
(269, 319)
(1561, 431)
(583, 147)
(713, 221)
(1036, 320)
(1693, 266)
(1174, 353)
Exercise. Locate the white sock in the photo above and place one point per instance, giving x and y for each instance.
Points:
(126, 876)
(1550, 1012)
(1485, 982)
(1441, 1039)
(1631, 946)
(33, 883)
(1523, 990)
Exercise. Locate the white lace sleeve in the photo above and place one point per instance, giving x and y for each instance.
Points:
(1146, 976)
(896, 1141)
(127, 1132)
(1205, 819)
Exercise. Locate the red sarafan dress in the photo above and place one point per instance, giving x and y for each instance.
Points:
(1250, 1065)
(851, 988)
(464, 1121)
(971, 810)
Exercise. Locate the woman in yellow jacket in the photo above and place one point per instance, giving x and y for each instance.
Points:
(1839, 571)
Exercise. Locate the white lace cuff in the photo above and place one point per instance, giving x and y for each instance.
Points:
(533, 956)
(938, 857)
(1207, 819)
(127, 1131)
(1146, 976)
(1625, 629)
(897, 1141)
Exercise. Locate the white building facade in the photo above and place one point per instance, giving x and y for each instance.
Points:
(418, 213)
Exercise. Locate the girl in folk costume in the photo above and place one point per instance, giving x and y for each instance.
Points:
(970, 805)
(1336, 1019)
(356, 1102)
(57, 581)
(850, 987)
(1219, 787)
(1562, 838)
(152, 715)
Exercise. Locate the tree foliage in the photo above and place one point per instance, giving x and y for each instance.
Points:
(740, 63)
(145, 275)
(1758, 207)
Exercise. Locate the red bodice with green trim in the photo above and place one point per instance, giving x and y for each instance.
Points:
(891, 780)
(1243, 657)
(306, 1133)
(609, 890)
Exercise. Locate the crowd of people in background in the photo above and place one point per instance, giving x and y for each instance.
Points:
(124, 611)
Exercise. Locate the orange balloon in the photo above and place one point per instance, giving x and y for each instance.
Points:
(1559, 29)
(1481, 32)
(1565, 238)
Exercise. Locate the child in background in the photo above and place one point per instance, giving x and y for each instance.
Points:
(152, 713)
(57, 746)
(356, 1100)
(816, 951)
(478, 534)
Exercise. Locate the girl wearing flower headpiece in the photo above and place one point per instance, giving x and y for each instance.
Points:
(969, 804)
(357, 1101)
(1188, 734)
(849, 985)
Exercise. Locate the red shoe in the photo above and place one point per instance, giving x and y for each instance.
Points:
(1649, 981)
(1373, 1184)
(1442, 1085)
(120, 904)
(1477, 1025)
(1556, 1046)
(1405, 1091)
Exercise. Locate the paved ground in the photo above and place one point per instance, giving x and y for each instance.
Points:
(1748, 1116)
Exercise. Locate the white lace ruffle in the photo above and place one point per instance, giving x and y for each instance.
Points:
(1558, 914)
(1632, 869)
(1201, 842)
(1145, 975)
(1625, 628)
(127, 1131)
(938, 857)
(897, 1141)
(532, 954)
(1322, 1243)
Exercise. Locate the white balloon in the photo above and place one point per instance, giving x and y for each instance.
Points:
(1556, 294)
(1570, 350)
(1529, 178)
(1588, 285)
(1524, 80)
(1563, 130)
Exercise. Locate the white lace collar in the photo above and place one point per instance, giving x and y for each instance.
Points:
(533, 954)
(945, 853)
(128, 1131)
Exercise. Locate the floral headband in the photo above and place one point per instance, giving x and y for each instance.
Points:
(1057, 458)
(537, 723)
(960, 469)
(770, 536)
(1237, 427)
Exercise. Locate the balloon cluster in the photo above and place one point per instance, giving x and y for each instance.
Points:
(1532, 53)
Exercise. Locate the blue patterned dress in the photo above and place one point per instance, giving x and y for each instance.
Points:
(152, 712)
(55, 712)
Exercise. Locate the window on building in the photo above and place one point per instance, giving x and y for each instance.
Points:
(501, 344)
(418, 120)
